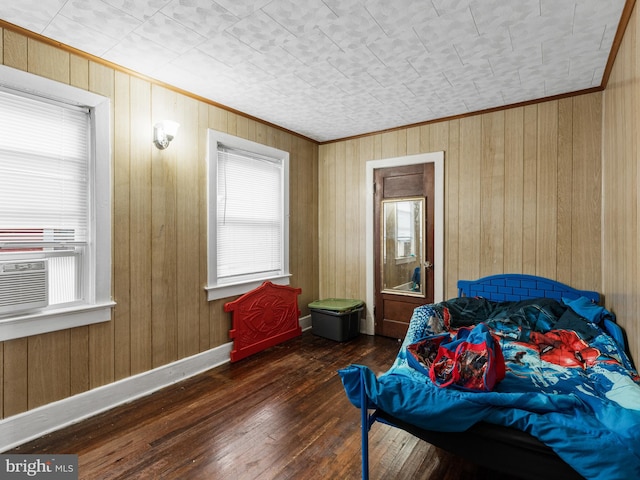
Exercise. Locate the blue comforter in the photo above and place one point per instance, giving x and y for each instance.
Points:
(567, 383)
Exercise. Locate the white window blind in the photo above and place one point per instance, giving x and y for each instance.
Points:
(249, 215)
(43, 173)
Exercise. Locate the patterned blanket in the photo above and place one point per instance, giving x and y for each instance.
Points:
(567, 382)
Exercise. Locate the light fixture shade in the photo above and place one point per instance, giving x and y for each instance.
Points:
(170, 128)
(164, 132)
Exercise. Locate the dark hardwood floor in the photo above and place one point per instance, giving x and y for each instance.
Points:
(280, 414)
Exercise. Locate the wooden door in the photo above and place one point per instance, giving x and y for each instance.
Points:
(403, 245)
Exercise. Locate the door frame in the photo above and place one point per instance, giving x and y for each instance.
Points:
(437, 158)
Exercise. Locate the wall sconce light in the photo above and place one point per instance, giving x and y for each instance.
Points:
(163, 133)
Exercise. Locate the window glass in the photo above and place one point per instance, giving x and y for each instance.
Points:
(248, 202)
(44, 161)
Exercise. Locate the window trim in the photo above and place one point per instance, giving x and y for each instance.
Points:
(214, 290)
(98, 305)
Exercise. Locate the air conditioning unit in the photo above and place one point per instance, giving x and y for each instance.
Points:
(24, 285)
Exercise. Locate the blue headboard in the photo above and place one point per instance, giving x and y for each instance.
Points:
(514, 287)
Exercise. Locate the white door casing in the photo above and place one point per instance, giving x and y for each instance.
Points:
(437, 158)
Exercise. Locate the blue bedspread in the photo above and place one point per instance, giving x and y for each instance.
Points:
(567, 383)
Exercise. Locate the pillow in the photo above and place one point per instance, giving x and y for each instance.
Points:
(585, 308)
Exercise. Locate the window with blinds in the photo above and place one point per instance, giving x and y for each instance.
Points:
(55, 206)
(44, 192)
(248, 223)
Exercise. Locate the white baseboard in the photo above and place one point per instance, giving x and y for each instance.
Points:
(32, 424)
(305, 323)
(27, 426)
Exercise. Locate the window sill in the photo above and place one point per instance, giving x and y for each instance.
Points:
(216, 292)
(35, 323)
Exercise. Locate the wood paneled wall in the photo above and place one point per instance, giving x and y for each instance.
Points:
(621, 203)
(522, 195)
(159, 234)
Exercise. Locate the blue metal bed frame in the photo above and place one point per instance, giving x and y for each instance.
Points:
(505, 287)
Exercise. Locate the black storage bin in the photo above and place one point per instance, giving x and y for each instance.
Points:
(336, 318)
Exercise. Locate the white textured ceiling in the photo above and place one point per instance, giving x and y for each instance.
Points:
(330, 69)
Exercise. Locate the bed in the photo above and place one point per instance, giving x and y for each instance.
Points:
(567, 408)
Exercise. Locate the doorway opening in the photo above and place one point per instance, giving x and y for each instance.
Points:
(437, 264)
